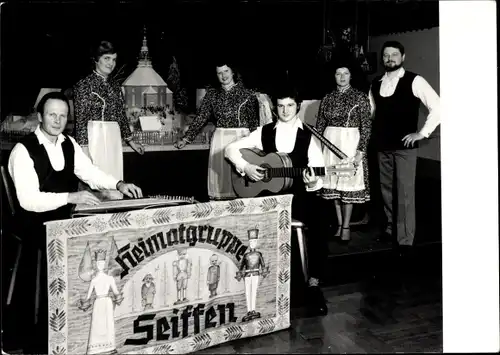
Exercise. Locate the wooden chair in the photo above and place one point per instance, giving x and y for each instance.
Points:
(14, 205)
(11, 198)
(299, 228)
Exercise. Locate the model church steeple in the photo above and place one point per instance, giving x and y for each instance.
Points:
(144, 59)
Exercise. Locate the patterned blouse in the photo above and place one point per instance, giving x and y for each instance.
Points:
(235, 108)
(95, 98)
(335, 108)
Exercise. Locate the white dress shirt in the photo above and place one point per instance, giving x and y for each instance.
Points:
(285, 143)
(422, 90)
(22, 170)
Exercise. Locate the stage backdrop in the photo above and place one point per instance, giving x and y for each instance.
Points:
(169, 280)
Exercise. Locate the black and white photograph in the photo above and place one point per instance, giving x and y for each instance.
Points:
(281, 176)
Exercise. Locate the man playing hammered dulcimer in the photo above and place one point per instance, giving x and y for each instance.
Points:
(251, 268)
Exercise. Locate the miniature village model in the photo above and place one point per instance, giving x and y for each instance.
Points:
(150, 106)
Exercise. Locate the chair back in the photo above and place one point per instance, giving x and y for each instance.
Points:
(10, 190)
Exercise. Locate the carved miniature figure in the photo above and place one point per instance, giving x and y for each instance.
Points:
(213, 275)
(251, 268)
(182, 272)
(148, 291)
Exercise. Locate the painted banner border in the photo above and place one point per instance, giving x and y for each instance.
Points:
(59, 231)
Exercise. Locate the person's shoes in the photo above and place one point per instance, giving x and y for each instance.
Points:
(247, 317)
(345, 236)
(406, 267)
(317, 305)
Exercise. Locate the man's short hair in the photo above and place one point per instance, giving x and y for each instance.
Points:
(393, 44)
(55, 95)
(284, 91)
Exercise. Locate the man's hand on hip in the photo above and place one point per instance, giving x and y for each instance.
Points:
(410, 139)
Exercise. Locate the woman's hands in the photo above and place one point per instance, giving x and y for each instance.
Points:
(137, 147)
(181, 143)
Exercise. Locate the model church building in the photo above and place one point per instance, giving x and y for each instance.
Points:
(145, 87)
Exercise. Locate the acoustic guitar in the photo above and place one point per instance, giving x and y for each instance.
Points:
(279, 173)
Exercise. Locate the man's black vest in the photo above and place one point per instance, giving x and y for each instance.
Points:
(395, 115)
(50, 181)
(299, 155)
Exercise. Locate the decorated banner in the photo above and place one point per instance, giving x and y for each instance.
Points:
(169, 280)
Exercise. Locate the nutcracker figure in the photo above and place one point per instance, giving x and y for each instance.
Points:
(251, 268)
(182, 272)
(148, 291)
(213, 275)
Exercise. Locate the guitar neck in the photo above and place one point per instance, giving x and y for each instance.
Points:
(292, 172)
(326, 142)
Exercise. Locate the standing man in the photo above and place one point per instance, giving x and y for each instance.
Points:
(45, 168)
(395, 98)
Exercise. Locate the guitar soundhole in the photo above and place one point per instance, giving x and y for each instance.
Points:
(267, 175)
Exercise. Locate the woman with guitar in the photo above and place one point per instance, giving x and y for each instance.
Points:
(289, 137)
(236, 112)
(344, 119)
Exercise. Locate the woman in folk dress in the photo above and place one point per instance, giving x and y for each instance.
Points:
(344, 119)
(102, 326)
(100, 119)
(236, 112)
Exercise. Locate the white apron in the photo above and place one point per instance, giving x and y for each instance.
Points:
(106, 151)
(220, 185)
(346, 139)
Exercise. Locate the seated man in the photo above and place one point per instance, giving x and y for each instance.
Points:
(45, 167)
(288, 135)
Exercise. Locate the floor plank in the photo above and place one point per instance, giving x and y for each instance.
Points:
(412, 322)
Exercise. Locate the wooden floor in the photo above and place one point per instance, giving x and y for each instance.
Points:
(361, 319)
(368, 311)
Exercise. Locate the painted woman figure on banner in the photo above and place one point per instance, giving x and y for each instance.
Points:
(102, 325)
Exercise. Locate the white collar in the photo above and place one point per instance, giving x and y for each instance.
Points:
(42, 139)
(296, 124)
(343, 89)
(100, 75)
(399, 75)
